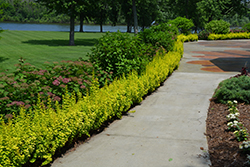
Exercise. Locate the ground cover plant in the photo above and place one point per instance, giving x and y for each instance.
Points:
(235, 88)
(37, 47)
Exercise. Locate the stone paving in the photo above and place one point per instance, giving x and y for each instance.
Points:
(225, 60)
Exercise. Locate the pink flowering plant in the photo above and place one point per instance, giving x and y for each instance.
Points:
(22, 87)
(238, 30)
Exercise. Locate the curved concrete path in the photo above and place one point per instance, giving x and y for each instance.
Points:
(167, 129)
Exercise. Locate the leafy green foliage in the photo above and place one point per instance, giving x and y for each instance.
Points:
(162, 35)
(183, 24)
(218, 27)
(119, 53)
(233, 89)
(29, 11)
(236, 20)
(246, 27)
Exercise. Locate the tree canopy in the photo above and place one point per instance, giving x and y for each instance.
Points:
(2, 5)
(203, 11)
(72, 8)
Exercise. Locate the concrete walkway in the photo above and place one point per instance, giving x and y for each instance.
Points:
(167, 129)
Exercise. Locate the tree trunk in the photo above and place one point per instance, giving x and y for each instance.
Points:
(135, 18)
(81, 22)
(129, 25)
(72, 29)
(187, 9)
(101, 26)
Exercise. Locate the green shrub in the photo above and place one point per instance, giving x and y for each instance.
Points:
(233, 89)
(183, 24)
(119, 53)
(218, 27)
(203, 35)
(163, 35)
(246, 27)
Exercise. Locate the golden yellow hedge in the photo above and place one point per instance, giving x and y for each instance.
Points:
(244, 35)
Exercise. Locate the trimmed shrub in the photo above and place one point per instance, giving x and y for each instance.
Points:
(188, 38)
(218, 27)
(236, 88)
(183, 24)
(119, 53)
(229, 36)
(163, 35)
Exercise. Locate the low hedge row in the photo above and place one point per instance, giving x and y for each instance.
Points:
(28, 138)
(188, 38)
(244, 35)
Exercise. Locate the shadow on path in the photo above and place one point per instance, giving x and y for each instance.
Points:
(231, 64)
(61, 42)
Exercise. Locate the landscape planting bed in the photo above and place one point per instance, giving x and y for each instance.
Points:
(222, 144)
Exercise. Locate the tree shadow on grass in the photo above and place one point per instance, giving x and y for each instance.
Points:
(3, 59)
(61, 42)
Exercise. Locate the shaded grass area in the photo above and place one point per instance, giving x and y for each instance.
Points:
(37, 47)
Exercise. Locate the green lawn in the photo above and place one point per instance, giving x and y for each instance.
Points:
(37, 47)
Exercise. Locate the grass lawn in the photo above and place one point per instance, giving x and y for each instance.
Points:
(37, 47)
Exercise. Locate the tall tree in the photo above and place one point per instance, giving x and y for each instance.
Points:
(70, 7)
(126, 11)
(135, 18)
(216, 9)
(2, 6)
(84, 15)
(100, 13)
(148, 11)
(203, 11)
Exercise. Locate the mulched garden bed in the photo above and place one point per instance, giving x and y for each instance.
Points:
(222, 144)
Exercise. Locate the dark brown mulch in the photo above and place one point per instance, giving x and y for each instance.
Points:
(222, 145)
